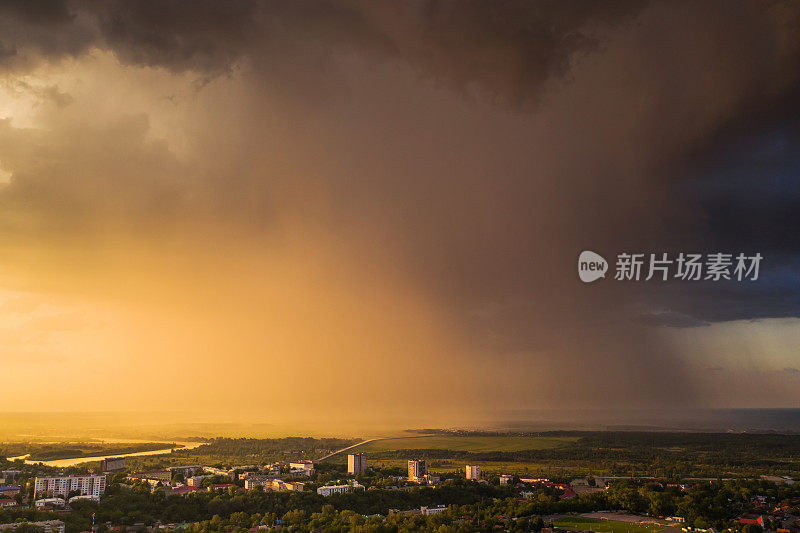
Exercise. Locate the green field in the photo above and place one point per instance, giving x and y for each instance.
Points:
(605, 526)
(467, 443)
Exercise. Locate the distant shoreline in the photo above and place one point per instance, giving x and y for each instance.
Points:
(105, 454)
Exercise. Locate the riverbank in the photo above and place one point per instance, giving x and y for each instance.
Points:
(77, 453)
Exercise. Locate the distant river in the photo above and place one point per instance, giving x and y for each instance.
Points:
(85, 459)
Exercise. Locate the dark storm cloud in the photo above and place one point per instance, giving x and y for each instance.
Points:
(746, 189)
(36, 31)
(507, 50)
(206, 35)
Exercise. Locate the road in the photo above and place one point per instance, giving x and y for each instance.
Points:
(368, 441)
(348, 448)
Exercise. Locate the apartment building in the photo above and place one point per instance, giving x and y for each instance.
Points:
(356, 463)
(62, 485)
(327, 490)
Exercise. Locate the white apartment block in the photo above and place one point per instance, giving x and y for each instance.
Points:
(327, 490)
(473, 472)
(62, 486)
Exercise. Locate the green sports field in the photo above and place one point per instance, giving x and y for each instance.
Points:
(605, 526)
(467, 443)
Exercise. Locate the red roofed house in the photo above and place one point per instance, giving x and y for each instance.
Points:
(756, 521)
(183, 490)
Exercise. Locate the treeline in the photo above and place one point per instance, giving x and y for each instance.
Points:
(232, 452)
(50, 452)
(473, 506)
(670, 455)
(126, 506)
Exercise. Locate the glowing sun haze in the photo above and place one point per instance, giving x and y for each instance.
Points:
(360, 211)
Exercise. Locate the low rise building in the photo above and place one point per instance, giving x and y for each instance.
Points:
(183, 490)
(302, 468)
(427, 511)
(7, 502)
(50, 502)
(327, 490)
(252, 482)
(49, 526)
(112, 464)
(154, 477)
(278, 484)
(185, 470)
(90, 498)
(273, 484)
(196, 481)
(9, 491)
(218, 471)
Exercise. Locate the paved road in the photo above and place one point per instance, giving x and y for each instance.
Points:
(345, 449)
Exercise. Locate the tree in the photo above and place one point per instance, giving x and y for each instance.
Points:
(28, 528)
(751, 528)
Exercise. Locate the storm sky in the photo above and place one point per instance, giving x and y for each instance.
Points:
(336, 210)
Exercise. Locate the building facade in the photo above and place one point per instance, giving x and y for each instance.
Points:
(9, 491)
(196, 481)
(187, 471)
(473, 472)
(356, 463)
(428, 511)
(302, 468)
(417, 470)
(62, 486)
(112, 464)
(327, 490)
(49, 526)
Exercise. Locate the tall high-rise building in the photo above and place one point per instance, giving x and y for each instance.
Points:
(417, 469)
(473, 472)
(356, 463)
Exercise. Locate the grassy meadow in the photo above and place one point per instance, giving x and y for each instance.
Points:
(503, 443)
(605, 526)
